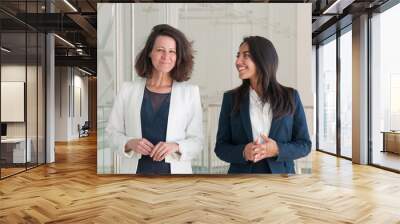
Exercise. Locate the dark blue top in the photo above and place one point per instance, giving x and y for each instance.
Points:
(154, 121)
(234, 131)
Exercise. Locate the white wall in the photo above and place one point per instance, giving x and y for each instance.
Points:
(15, 72)
(218, 29)
(33, 126)
(67, 81)
(61, 103)
(80, 83)
(385, 75)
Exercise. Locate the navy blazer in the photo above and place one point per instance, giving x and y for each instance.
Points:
(234, 132)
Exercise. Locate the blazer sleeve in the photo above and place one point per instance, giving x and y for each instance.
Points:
(115, 130)
(300, 145)
(192, 144)
(224, 147)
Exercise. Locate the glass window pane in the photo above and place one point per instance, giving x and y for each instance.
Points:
(327, 96)
(13, 87)
(23, 88)
(385, 86)
(41, 98)
(31, 97)
(346, 94)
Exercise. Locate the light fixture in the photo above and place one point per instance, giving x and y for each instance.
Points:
(65, 41)
(70, 5)
(5, 50)
(80, 51)
(84, 71)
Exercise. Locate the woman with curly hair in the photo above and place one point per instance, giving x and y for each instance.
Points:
(156, 121)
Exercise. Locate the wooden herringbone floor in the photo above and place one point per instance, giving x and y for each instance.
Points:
(70, 191)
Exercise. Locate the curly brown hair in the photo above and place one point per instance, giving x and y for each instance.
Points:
(184, 54)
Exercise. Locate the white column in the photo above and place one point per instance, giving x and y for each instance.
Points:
(124, 59)
(50, 99)
(360, 90)
(106, 81)
(172, 14)
(115, 66)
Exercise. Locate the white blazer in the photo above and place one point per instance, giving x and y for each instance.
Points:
(185, 125)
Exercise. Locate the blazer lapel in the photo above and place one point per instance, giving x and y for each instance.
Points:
(136, 105)
(172, 113)
(273, 128)
(245, 116)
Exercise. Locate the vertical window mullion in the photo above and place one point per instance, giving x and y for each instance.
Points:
(317, 96)
(37, 89)
(338, 73)
(369, 91)
(26, 86)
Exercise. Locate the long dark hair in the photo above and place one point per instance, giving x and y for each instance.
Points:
(264, 56)
(184, 54)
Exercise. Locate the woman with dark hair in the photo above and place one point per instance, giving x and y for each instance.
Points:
(262, 126)
(156, 120)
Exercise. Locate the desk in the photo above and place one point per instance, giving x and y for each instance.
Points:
(17, 148)
(391, 141)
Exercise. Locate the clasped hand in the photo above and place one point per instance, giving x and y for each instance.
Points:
(145, 147)
(256, 151)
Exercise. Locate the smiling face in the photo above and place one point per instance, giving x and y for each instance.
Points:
(244, 64)
(163, 54)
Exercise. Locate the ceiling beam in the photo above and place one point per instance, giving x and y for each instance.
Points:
(84, 24)
(83, 61)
